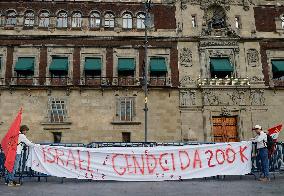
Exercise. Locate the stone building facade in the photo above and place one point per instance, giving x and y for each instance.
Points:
(226, 53)
(76, 67)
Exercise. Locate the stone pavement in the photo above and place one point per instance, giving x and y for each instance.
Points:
(231, 186)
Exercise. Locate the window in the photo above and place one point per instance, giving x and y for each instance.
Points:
(216, 17)
(158, 67)
(1, 20)
(77, 20)
(24, 67)
(126, 137)
(282, 21)
(221, 67)
(57, 110)
(125, 108)
(95, 20)
(237, 22)
(62, 21)
(29, 19)
(193, 21)
(141, 21)
(59, 66)
(278, 69)
(127, 21)
(44, 19)
(11, 19)
(93, 66)
(57, 137)
(109, 20)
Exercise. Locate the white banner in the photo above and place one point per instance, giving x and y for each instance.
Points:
(143, 163)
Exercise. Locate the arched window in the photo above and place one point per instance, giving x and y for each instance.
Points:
(62, 20)
(141, 21)
(29, 19)
(1, 20)
(127, 21)
(95, 20)
(43, 19)
(216, 17)
(11, 18)
(76, 20)
(109, 20)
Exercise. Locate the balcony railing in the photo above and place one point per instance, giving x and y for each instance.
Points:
(223, 82)
(85, 81)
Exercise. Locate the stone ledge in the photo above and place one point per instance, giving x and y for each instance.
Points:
(57, 123)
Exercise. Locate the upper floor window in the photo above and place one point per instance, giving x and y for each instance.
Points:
(59, 66)
(216, 17)
(77, 20)
(11, 18)
(62, 19)
(43, 19)
(29, 19)
(282, 21)
(93, 67)
(125, 109)
(24, 67)
(237, 22)
(109, 20)
(56, 110)
(193, 21)
(278, 69)
(127, 21)
(95, 20)
(141, 21)
(221, 67)
(1, 19)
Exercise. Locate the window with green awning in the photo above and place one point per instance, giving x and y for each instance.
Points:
(59, 64)
(126, 64)
(25, 64)
(221, 67)
(158, 64)
(93, 64)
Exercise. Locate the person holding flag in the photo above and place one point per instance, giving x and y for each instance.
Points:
(12, 145)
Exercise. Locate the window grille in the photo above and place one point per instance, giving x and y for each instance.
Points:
(95, 20)
(109, 20)
(62, 20)
(11, 19)
(127, 21)
(29, 19)
(77, 20)
(141, 21)
(57, 110)
(44, 19)
(125, 108)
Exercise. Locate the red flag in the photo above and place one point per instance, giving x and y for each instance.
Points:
(274, 132)
(10, 141)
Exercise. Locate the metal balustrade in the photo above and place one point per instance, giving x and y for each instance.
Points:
(88, 81)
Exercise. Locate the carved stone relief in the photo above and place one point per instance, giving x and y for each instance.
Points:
(186, 57)
(187, 98)
(257, 97)
(225, 111)
(210, 98)
(253, 58)
(237, 97)
(186, 80)
(208, 43)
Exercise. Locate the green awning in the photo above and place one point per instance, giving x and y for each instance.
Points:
(158, 65)
(221, 65)
(277, 66)
(93, 64)
(126, 64)
(25, 64)
(59, 64)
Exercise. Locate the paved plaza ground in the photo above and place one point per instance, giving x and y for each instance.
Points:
(231, 186)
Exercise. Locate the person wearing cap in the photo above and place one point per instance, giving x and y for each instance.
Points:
(10, 177)
(261, 140)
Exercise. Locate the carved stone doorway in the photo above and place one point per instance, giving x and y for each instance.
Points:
(225, 129)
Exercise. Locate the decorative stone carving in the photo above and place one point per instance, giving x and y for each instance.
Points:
(225, 111)
(257, 97)
(256, 79)
(186, 80)
(237, 97)
(186, 57)
(187, 98)
(208, 43)
(209, 98)
(253, 58)
(226, 3)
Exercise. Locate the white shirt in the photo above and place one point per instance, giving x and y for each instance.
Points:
(260, 139)
(23, 139)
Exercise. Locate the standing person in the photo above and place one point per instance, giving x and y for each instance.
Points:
(10, 177)
(261, 140)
